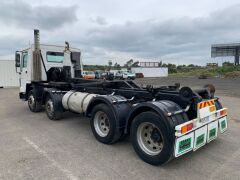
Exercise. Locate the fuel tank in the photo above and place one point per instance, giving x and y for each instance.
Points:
(77, 101)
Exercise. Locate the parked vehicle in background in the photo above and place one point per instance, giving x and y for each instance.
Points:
(88, 75)
(108, 75)
(98, 74)
(139, 75)
(125, 75)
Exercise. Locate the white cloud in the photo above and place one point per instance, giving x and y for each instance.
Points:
(172, 31)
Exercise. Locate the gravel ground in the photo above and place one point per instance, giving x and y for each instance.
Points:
(33, 147)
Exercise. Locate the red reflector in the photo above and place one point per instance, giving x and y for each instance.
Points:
(189, 126)
(223, 112)
(186, 128)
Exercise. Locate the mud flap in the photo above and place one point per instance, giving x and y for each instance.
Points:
(212, 131)
(223, 125)
(184, 144)
(200, 138)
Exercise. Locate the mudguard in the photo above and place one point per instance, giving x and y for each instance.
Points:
(162, 108)
(56, 96)
(125, 111)
(38, 91)
(118, 104)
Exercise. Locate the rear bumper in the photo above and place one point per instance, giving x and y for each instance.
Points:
(203, 132)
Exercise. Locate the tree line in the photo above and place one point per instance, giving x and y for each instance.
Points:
(172, 68)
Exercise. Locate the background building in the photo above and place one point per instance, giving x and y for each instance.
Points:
(151, 71)
(8, 75)
(149, 64)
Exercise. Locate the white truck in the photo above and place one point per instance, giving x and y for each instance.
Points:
(125, 75)
(164, 122)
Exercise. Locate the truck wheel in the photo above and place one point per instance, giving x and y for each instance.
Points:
(103, 124)
(51, 109)
(33, 104)
(150, 139)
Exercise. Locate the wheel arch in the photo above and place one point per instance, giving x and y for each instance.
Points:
(95, 101)
(56, 98)
(161, 108)
(118, 104)
(47, 93)
(143, 107)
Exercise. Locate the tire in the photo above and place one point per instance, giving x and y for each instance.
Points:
(150, 138)
(53, 111)
(34, 104)
(103, 125)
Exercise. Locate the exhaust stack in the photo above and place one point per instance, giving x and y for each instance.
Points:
(37, 67)
(36, 39)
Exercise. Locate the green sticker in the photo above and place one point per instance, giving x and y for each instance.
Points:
(223, 124)
(184, 145)
(212, 133)
(200, 140)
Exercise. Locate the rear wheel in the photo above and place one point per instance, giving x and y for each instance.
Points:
(34, 104)
(150, 138)
(103, 124)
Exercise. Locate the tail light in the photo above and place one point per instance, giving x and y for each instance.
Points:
(186, 128)
(223, 112)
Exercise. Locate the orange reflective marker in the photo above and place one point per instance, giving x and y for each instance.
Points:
(212, 108)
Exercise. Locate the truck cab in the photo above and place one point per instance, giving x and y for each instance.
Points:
(53, 58)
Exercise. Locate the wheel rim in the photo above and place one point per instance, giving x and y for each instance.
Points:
(149, 138)
(49, 107)
(31, 101)
(101, 123)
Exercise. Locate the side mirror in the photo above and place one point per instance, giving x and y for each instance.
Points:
(18, 62)
(75, 57)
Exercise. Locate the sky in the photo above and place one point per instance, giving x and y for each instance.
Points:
(175, 31)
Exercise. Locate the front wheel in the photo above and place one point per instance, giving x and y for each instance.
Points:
(34, 104)
(150, 138)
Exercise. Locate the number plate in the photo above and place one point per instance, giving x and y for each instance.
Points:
(204, 120)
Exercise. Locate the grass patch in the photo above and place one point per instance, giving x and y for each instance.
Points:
(226, 71)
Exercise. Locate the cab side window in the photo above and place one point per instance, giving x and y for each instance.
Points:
(55, 57)
(24, 59)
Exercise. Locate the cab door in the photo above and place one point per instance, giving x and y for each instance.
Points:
(24, 73)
